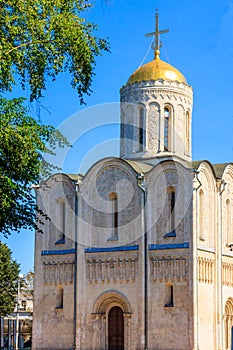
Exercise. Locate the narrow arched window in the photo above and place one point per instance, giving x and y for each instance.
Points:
(187, 132)
(61, 220)
(169, 297)
(171, 207)
(141, 130)
(170, 212)
(114, 215)
(167, 132)
(201, 214)
(228, 222)
(60, 295)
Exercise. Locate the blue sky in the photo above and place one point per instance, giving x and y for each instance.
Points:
(199, 44)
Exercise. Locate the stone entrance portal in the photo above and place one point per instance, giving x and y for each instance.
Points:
(111, 322)
(115, 329)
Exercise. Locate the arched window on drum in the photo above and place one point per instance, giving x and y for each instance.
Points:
(187, 134)
(167, 134)
(141, 129)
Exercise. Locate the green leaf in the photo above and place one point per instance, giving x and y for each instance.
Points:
(40, 39)
(23, 145)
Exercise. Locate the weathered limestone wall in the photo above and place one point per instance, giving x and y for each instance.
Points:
(97, 210)
(184, 313)
(169, 326)
(109, 280)
(111, 259)
(54, 267)
(215, 259)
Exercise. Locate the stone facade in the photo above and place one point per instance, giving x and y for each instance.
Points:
(151, 98)
(137, 254)
(195, 262)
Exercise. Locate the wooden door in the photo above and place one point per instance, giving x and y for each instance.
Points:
(116, 329)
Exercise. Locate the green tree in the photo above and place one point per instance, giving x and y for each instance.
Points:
(9, 270)
(23, 144)
(38, 40)
(27, 288)
(41, 38)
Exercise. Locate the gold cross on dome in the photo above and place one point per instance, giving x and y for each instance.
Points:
(156, 34)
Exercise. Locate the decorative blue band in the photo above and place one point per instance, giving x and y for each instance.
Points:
(58, 252)
(184, 245)
(111, 249)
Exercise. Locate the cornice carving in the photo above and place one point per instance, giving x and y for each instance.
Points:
(149, 96)
(58, 272)
(105, 269)
(227, 274)
(205, 270)
(168, 268)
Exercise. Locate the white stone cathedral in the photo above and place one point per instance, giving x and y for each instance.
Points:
(137, 253)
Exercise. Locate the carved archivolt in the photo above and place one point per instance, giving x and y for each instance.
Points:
(205, 270)
(59, 272)
(106, 299)
(114, 269)
(168, 268)
(229, 307)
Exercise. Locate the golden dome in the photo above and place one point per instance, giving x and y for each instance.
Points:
(156, 69)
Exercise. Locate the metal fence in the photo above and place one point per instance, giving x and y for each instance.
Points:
(9, 332)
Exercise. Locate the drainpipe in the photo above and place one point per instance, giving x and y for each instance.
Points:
(142, 184)
(77, 184)
(221, 188)
(195, 269)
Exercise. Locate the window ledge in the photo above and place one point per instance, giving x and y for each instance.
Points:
(113, 238)
(169, 305)
(170, 234)
(61, 241)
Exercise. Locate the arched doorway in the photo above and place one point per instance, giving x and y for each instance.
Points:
(115, 329)
(111, 321)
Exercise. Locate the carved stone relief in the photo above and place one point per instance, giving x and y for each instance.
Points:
(153, 126)
(58, 272)
(227, 274)
(168, 268)
(105, 269)
(205, 270)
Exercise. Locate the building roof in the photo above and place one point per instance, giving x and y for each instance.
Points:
(155, 70)
(218, 169)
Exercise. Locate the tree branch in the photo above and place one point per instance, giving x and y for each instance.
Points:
(27, 44)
